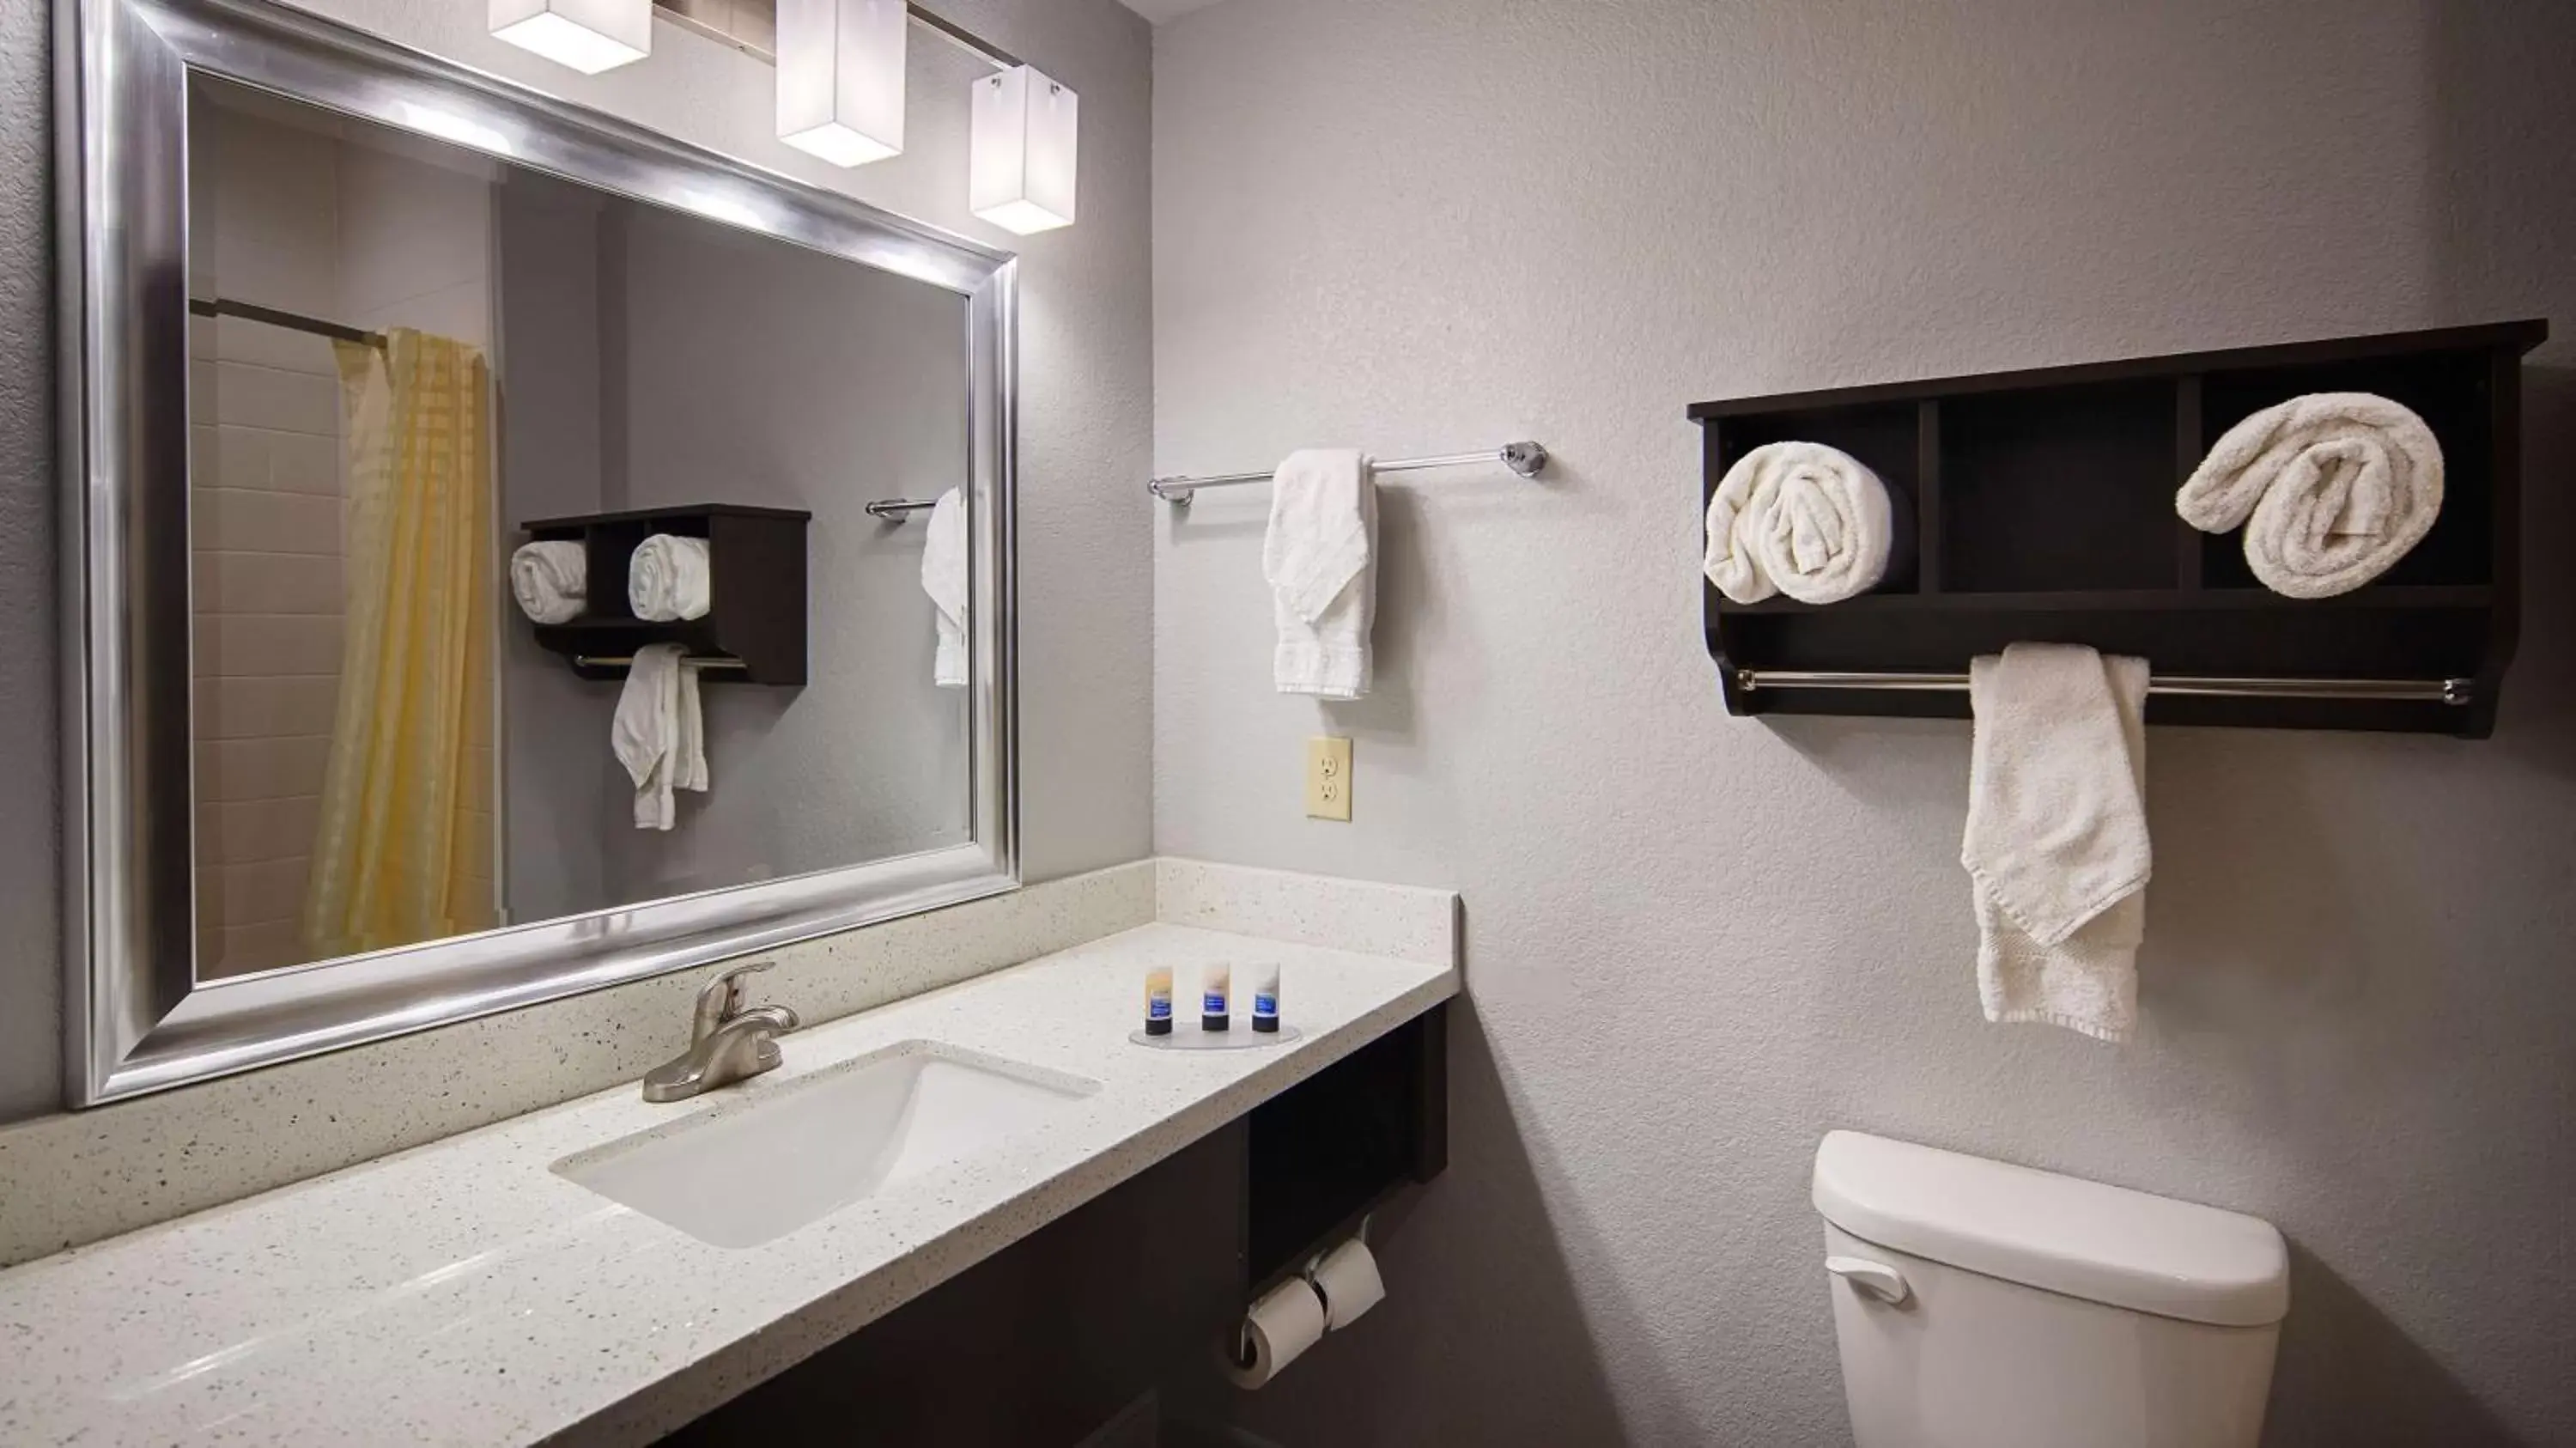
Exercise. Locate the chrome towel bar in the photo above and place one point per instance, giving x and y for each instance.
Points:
(626, 661)
(897, 509)
(2440, 691)
(1527, 459)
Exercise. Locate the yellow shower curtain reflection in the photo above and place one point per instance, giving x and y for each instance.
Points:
(403, 851)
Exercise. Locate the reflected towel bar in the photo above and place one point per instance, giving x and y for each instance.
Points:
(626, 661)
(1527, 459)
(897, 509)
(292, 321)
(2437, 691)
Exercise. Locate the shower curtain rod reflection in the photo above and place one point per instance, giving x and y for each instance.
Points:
(295, 321)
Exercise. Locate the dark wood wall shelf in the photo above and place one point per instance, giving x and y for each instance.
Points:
(2042, 509)
(756, 617)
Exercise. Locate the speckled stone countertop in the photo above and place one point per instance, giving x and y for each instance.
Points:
(461, 1292)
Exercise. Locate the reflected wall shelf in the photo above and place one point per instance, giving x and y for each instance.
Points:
(754, 629)
(2042, 503)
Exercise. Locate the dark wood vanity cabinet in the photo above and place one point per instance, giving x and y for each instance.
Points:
(1053, 1336)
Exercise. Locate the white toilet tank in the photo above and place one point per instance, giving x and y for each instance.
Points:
(1981, 1305)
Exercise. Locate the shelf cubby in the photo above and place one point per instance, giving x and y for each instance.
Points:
(756, 613)
(2038, 506)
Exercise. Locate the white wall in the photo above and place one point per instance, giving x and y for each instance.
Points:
(1084, 520)
(1697, 942)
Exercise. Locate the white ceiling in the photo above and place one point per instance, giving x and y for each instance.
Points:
(1159, 11)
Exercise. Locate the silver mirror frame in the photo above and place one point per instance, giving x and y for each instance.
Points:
(136, 1020)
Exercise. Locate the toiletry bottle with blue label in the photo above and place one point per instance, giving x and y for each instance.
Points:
(1216, 984)
(1265, 998)
(1158, 1001)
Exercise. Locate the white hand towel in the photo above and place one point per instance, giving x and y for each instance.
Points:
(943, 577)
(1320, 558)
(2057, 835)
(658, 733)
(667, 579)
(2340, 485)
(1798, 518)
(550, 580)
(689, 752)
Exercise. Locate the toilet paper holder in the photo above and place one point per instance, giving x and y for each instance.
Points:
(1369, 1293)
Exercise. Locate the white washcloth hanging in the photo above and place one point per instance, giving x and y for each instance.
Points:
(1320, 558)
(667, 580)
(943, 577)
(2338, 485)
(1798, 518)
(2057, 835)
(550, 580)
(659, 734)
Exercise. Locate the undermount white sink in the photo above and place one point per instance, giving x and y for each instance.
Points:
(761, 1166)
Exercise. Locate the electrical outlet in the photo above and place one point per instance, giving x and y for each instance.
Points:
(1328, 778)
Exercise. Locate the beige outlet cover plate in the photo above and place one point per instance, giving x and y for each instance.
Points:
(1328, 778)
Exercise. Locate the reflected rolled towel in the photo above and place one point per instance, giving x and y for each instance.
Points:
(667, 581)
(2339, 486)
(550, 580)
(1802, 519)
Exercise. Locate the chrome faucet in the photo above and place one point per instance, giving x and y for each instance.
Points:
(727, 1041)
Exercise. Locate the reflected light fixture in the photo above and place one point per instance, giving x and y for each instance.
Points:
(1024, 145)
(840, 78)
(588, 35)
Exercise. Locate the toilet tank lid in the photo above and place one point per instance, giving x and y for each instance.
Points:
(2101, 1243)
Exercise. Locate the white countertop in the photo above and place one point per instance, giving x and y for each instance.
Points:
(461, 1292)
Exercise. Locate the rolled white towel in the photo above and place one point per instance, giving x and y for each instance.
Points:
(1798, 518)
(550, 580)
(667, 579)
(2339, 485)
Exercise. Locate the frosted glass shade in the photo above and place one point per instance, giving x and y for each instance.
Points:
(840, 78)
(588, 35)
(1026, 134)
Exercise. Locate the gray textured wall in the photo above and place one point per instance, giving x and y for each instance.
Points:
(753, 370)
(30, 831)
(1697, 942)
(1085, 409)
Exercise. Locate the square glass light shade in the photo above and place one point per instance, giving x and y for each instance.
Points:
(840, 78)
(1026, 139)
(588, 35)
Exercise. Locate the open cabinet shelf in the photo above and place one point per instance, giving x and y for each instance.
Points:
(756, 596)
(2038, 506)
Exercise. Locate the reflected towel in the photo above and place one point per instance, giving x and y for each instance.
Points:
(1320, 559)
(2339, 485)
(1798, 518)
(943, 577)
(550, 580)
(667, 580)
(658, 733)
(2057, 835)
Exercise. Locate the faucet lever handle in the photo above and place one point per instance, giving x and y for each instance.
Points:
(720, 999)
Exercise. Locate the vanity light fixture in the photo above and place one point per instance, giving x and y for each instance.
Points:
(1024, 145)
(588, 35)
(840, 78)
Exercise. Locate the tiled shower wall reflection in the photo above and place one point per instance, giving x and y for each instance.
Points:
(292, 217)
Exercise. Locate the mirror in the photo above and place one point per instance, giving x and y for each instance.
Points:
(402, 353)
(570, 594)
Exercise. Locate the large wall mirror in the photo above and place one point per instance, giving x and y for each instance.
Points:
(514, 553)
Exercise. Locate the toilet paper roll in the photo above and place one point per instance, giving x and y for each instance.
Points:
(1347, 1280)
(1286, 1321)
